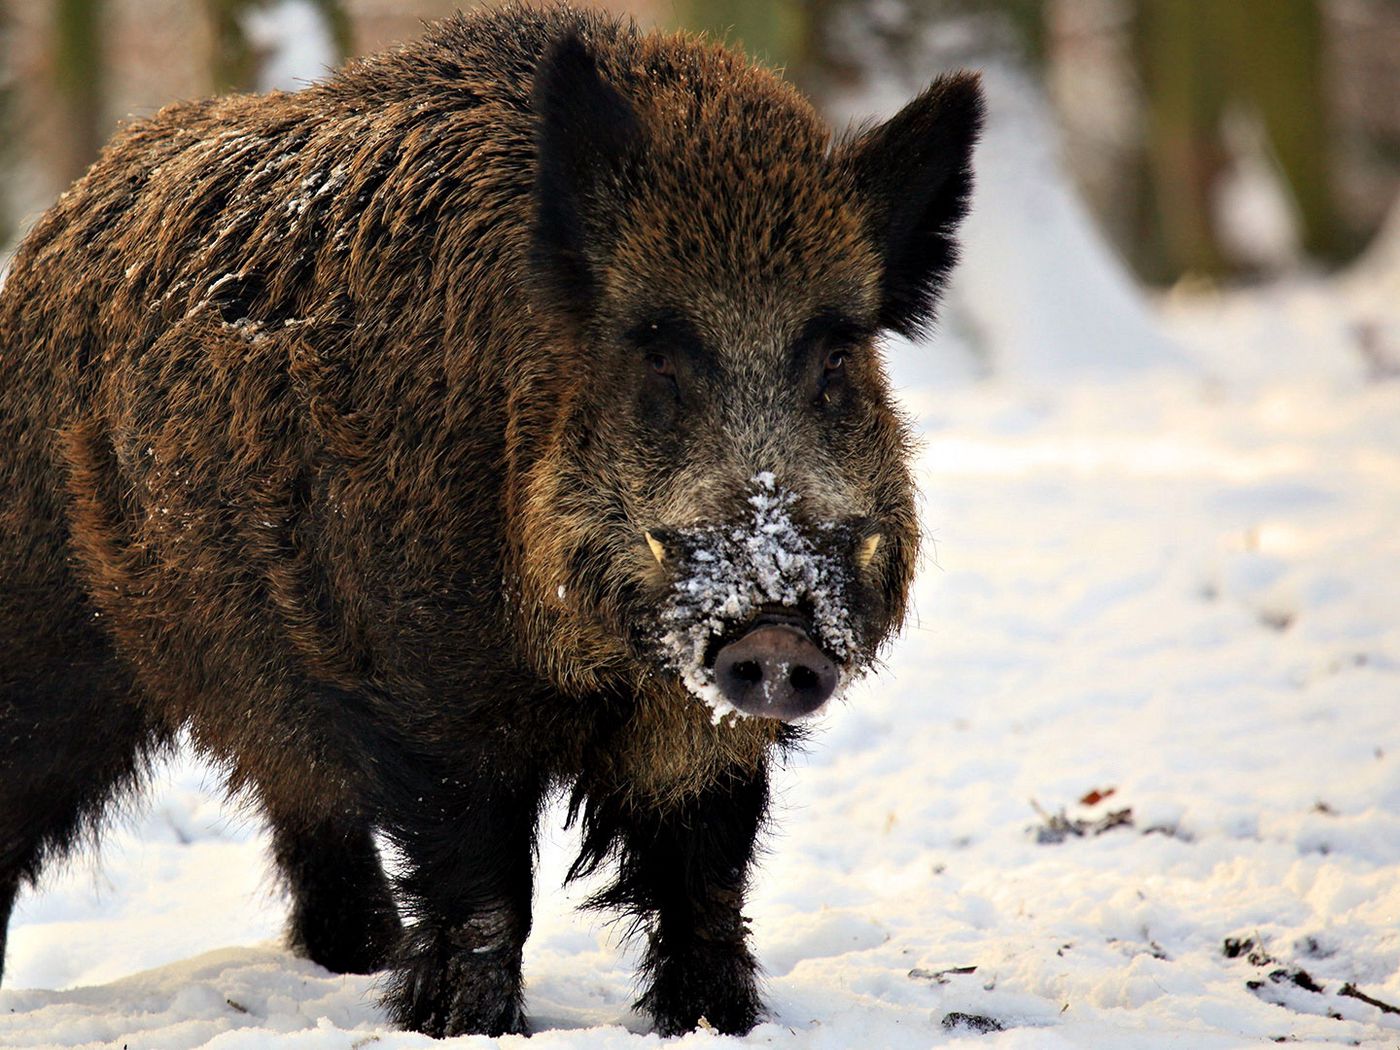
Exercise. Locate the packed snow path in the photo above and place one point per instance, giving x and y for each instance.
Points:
(1179, 588)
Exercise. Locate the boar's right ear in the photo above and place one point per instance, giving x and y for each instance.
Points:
(915, 174)
(585, 134)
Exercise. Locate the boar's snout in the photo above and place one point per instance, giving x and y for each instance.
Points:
(774, 670)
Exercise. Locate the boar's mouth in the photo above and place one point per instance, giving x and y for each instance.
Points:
(768, 581)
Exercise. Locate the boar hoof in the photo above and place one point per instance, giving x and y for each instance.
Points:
(464, 994)
(721, 992)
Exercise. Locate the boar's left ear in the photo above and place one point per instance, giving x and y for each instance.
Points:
(585, 134)
(915, 174)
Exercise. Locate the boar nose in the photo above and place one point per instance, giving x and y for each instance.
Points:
(775, 671)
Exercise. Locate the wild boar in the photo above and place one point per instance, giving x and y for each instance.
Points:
(503, 415)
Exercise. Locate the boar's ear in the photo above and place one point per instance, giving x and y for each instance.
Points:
(585, 134)
(915, 173)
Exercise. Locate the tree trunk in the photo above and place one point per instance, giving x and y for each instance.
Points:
(1275, 51)
(232, 66)
(78, 72)
(772, 32)
(7, 149)
(1178, 41)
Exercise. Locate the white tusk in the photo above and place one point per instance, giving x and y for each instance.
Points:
(868, 547)
(657, 551)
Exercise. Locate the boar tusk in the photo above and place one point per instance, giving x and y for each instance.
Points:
(657, 550)
(868, 547)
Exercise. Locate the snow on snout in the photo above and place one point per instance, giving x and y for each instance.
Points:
(728, 572)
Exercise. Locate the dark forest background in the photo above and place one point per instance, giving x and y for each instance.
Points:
(1164, 108)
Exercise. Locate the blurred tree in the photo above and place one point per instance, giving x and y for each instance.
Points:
(1184, 156)
(772, 31)
(802, 37)
(233, 66)
(234, 63)
(7, 158)
(78, 80)
(1198, 61)
(1276, 54)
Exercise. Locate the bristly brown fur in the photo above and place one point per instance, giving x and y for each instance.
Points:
(319, 439)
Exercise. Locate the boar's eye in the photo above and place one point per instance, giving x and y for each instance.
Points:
(827, 342)
(662, 337)
(833, 375)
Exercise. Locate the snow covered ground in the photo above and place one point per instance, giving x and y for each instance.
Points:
(1130, 779)
(1178, 586)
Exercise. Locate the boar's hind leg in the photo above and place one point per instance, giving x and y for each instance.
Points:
(343, 915)
(468, 845)
(683, 871)
(69, 741)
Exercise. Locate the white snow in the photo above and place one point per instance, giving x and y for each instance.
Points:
(1181, 588)
(1252, 208)
(1172, 586)
(294, 41)
(1038, 290)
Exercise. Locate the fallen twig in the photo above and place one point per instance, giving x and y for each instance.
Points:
(918, 973)
(1353, 992)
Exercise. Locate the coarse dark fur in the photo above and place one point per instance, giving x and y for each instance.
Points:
(330, 427)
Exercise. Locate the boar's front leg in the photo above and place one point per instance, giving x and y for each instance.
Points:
(683, 870)
(468, 845)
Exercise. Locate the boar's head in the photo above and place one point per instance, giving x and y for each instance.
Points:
(727, 497)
